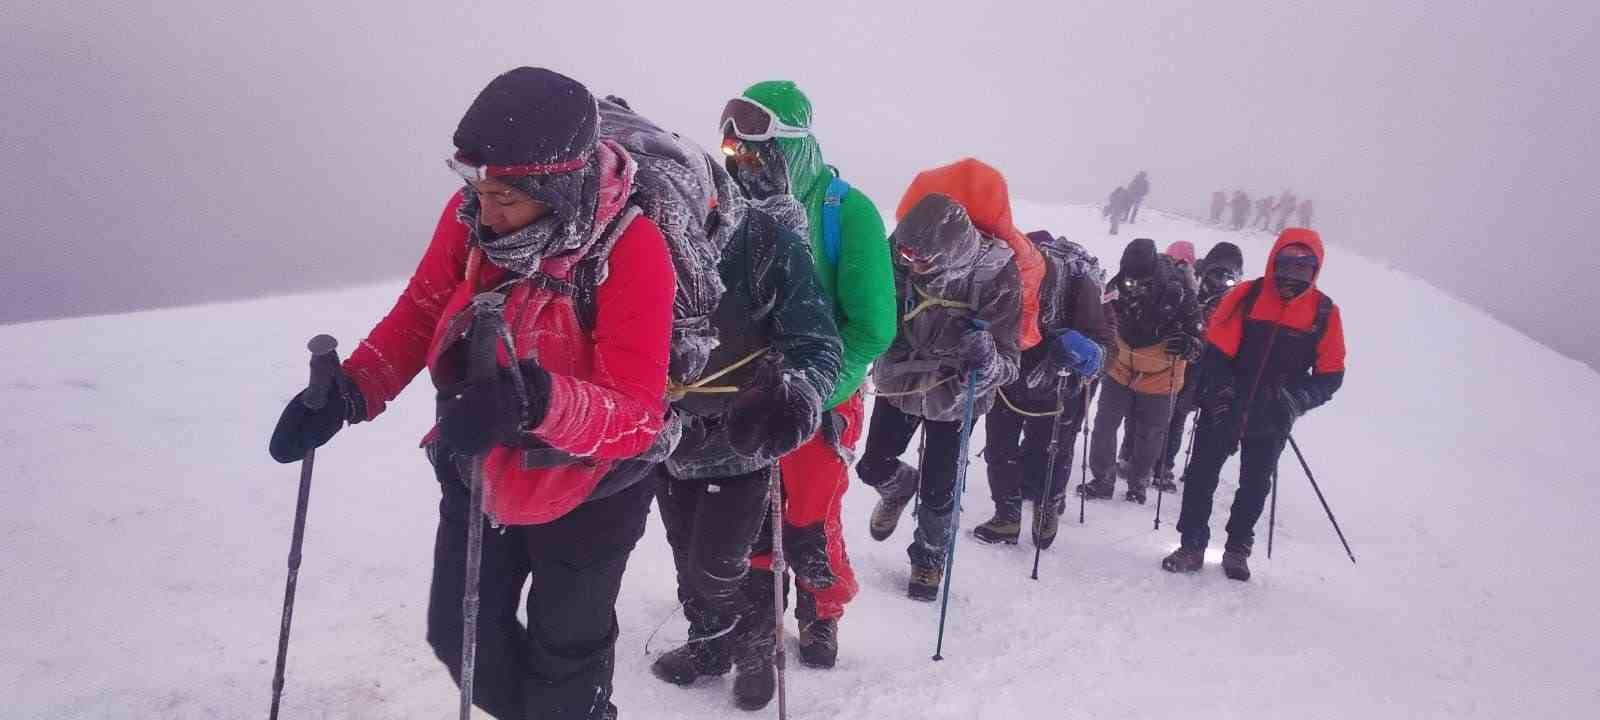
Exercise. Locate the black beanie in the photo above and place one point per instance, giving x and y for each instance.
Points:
(1139, 258)
(1225, 254)
(531, 121)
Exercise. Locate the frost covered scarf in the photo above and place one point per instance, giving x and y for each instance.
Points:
(582, 203)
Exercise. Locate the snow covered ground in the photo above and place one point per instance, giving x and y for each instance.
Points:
(145, 531)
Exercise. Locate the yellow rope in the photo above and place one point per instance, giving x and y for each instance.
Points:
(701, 386)
(929, 301)
(1022, 412)
(912, 392)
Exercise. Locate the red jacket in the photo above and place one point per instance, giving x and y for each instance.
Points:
(1278, 344)
(608, 384)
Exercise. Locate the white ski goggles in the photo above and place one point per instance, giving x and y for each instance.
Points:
(751, 121)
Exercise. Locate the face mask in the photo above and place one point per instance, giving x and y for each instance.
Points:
(759, 168)
(1293, 274)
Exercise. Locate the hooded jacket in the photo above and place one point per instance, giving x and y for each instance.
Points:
(1273, 343)
(977, 285)
(1147, 313)
(773, 304)
(860, 286)
(981, 190)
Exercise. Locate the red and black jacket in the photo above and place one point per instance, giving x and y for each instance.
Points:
(1260, 342)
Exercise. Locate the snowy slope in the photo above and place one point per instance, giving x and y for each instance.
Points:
(145, 532)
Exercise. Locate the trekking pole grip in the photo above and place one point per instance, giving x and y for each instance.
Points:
(324, 363)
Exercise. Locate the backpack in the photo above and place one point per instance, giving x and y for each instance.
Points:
(1066, 264)
(682, 189)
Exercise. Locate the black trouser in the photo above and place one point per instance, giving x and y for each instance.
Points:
(888, 435)
(711, 525)
(1214, 443)
(560, 665)
(1018, 452)
(1146, 417)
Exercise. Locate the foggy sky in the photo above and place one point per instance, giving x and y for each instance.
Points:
(161, 153)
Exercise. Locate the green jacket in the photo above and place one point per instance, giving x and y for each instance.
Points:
(861, 285)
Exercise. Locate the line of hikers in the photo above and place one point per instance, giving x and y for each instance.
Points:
(697, 330)
(1273, 214)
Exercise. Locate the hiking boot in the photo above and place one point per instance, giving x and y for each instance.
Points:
(1135, 494)
(1164, 482)
(924, 583)
(1006, 525)
(1235, 565)
(693, 660)
(1047, 521)
(754, 642)
(819, 643)
(886, 516)
(1098, 489)
(1185, 559)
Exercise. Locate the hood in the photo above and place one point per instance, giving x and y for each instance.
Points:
(808, 175)
(1226, 254)
(1293, 236)
(938, 224)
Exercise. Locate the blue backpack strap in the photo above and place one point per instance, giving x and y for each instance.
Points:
(832, 204)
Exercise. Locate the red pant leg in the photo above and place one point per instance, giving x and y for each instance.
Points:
(815, 478)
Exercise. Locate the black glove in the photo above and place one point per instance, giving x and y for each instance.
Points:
(476, 416)
(301, 429)
(772, 416)
(1294, 402)
(1182, 346)
(977, 353)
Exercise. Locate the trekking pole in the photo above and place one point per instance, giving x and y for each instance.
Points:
(324, 362)
(1050, 468)
(778, 570)
(955, 522)
(1166, 433)
(1321, 499)
(483, 365)
(1272, 515)
(1083, 477)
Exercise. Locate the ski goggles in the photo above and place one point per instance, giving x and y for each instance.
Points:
(1295, 267)
(751, 121)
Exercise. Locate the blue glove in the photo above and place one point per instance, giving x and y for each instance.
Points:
(1080, 354)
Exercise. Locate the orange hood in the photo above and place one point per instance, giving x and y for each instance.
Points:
(981, 189)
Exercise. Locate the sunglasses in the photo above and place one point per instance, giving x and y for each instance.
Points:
(751, 121)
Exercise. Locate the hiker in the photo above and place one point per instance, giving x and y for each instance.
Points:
(1219, 202)
(1241, 209)
(1219, 271)
(777, 359)
(851, 254)
(1158, 333)
(1137, 190)
(1275, 350)
(543, 195)
(1116, 208)
(1047, 399)
(959, 297)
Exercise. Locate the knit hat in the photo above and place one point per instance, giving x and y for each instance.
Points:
(529, 121)
(1139, 258)
(1182, 251)
(1227, 255)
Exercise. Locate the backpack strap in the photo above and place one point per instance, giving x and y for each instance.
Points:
(1320, 326)
(832, 207)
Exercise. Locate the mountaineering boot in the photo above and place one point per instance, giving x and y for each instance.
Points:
(896, 494)
(1047, 522)
(1135, 494)
(1185, 559)
(1235, 565)
(924, 583)
(1098, 489)
(886, 516)
(1005, 526)
(694, 659)
(819, 643)
(754, 641)
(1165, 482)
